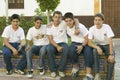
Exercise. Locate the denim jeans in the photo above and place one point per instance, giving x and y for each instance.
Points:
(87, 52)
(52, 51)
(7, 53)
(38, 50)
(110, 68)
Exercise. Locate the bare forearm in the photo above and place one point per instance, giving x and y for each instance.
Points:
(8, 45)
(111, 46)
(54, 43)
(22, 43)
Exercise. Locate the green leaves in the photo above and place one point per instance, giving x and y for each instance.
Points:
(48, 4)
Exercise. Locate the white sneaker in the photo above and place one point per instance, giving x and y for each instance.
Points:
(53, 74)
(88, 77)
(97, 77)
(42, 71)
(61, 74)
(30, 74)
(19, 72)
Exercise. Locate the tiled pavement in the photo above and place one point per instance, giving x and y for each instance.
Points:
(117, 58)
(47, 77)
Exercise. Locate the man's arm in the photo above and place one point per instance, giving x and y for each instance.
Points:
(93, 45)
(6, 43)
(29, 43)
(22, 43)
(110, 45)
(59, 48)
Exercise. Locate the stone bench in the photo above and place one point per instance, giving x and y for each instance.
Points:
(103, 65)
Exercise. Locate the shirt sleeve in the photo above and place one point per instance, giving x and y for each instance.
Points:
(5, 33)
(109, 32)
(83, 30)
(49, 31)
(22, 37)
(90, 35)
(29, 35)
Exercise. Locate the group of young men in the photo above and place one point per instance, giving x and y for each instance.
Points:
(53, 40)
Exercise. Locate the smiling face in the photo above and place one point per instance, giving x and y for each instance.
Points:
(98, 22)
(69, 22)
(57, 18)
(37, 24)
(15, 23)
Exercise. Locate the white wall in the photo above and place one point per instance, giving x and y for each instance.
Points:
(28, 10)
(78, 7)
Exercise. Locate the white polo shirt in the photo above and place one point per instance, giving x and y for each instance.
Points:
(12, 35)
(100, 36)
(59, 33)
(77, 38)
(33, 32)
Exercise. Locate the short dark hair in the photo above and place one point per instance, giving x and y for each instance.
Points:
(57, 12)
(100, 15)
(68, 15)
(15, 16)
(37, 18)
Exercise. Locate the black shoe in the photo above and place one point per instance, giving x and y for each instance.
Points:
(30, 74)
(9, 72)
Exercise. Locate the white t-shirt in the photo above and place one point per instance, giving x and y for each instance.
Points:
(100, 36)
(59, 33)
(33, 33)
(77, 38)
(12, 35)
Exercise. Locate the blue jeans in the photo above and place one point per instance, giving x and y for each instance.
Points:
(87, 52)
(38, 50)
(110, 68)
(51, 52)
(7, 53)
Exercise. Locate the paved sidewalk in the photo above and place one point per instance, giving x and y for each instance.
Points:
(117, 58)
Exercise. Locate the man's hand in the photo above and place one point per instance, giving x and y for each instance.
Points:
(79, 49)
(59, 48)
(15, 52)
(99, 50)
(20, 47)
(27, 48)
(77, 32)
(111, 59)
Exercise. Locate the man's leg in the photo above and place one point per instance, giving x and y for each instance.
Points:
(88, 56)
(7, 53)
(110, 66)
(110, 71)
(74, 59)
(64, 55)
(42, 54)
(51, 50)
(96, 64)
(23, 62)
(33, 50)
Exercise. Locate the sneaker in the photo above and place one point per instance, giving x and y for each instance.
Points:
(19, 72)
(88, 77)
(61, 74)
(97, 77)
(9, 72)
(42, 71)
(30, 74)
(53, 74)
(74, 75)
(75, 72)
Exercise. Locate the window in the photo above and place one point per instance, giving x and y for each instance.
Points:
(15, 4)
